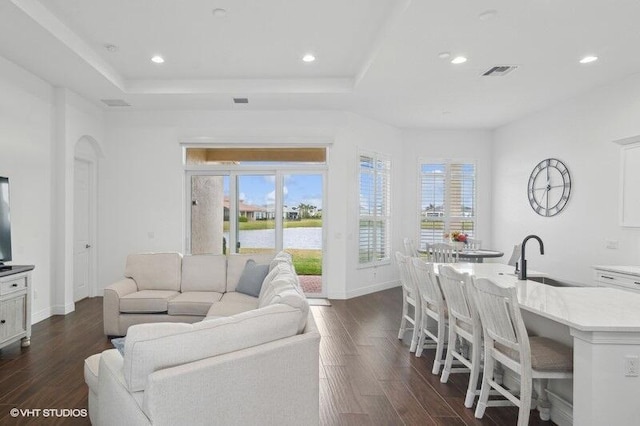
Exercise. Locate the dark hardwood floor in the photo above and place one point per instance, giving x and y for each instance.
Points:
(367, 376)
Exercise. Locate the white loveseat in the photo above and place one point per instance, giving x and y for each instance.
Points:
(170, 287)
(255, 367)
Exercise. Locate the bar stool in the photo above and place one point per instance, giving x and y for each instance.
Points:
(410, 297)
(506, 341)
(434, 308)
(464, 322)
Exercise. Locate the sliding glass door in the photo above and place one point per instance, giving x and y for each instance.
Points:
(302, 201)
(249, 211)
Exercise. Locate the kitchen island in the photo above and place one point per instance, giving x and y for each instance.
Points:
(602, 325)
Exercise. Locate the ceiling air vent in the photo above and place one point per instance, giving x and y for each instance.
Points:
(499, 70)
(115, 102)
(240, 100)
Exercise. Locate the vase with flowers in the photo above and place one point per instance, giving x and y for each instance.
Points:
(456, 236)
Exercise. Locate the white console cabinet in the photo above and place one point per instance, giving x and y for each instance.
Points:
(15, 305)
(621, 277)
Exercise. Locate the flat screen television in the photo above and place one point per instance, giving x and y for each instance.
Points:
(5, 222)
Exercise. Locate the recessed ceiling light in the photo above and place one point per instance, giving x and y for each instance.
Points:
(588, 59)
(308, 58)
(459, 60)
(444, 55)
(219, 12)
(111, 48)
(157, 59)
(487, 15)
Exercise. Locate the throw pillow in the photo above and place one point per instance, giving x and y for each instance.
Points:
(118, 343)
(252, 277)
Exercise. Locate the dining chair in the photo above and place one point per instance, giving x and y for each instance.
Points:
(443, 253)
(464, 323)
(410, 297)
(434, 308)
(409, 247)
(506, 341)
(473, 244)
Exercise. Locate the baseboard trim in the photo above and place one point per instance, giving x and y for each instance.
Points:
(561, 409)
(363, 291)
(63, 309)
(42, 315)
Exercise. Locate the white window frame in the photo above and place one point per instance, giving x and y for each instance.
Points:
(447, 199)
(375, 217)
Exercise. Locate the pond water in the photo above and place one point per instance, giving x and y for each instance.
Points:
(299, 238)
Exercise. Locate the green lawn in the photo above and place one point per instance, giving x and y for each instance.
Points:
(437, 225)
(306, 262)
(271, 224)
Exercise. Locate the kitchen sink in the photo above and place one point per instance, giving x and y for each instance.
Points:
(553, 282)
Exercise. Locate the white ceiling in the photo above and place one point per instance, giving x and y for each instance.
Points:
(378, 58)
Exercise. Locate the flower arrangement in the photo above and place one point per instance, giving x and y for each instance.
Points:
(456, 236)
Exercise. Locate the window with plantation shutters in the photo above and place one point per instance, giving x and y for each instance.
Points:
(447, 200)
(374, 242)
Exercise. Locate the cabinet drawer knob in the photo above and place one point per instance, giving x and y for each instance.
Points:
(3, 321)
(14, 285)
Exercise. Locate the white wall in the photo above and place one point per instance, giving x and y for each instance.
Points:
(369, 136)
(74, 118)
(141, 181)
(26, 120)
(39, 126)
(580, 133)
(472, 145)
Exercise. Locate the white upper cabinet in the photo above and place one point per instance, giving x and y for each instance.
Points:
(630, 182)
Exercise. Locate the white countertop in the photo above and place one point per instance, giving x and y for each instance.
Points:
(629, 270)
(582, 308)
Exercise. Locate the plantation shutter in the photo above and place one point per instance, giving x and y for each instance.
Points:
(447, 200)
(374, 242)
(462, 198)
(432, 206)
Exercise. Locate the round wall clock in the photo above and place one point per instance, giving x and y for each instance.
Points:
(549, 187)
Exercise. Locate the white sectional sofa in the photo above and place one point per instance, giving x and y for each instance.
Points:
(170, 287)
(256, 366)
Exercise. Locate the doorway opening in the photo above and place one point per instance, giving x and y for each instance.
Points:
(259, 207)
(84, 219)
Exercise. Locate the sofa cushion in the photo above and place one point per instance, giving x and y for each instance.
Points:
(232, 303)
(284, 288)
(91, 369)
(152, 347)
(193, 302)
(250, 282)
(147, 301)
(280, 276)
(282, 257)
(204, 272)
(290, 296)
(155, 271)
(235, 266)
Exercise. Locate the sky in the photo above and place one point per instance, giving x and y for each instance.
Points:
(260, 190)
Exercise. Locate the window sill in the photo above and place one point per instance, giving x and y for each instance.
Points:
(375, 264)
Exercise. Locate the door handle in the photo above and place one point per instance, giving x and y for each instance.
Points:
(87, 246)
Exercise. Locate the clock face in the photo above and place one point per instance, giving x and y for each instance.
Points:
(549, 187)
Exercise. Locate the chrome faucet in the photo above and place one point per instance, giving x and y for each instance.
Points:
(522, 275)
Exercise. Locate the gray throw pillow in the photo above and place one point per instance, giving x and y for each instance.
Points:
(118, 343)
(252, 277)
